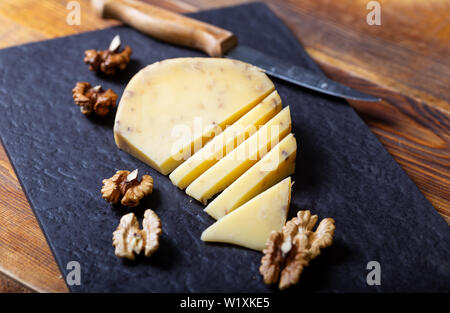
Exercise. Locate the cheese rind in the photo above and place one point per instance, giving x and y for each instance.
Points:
(273, 167)
(251, 224)
(170, 109)
(234, 164)
(225, 142)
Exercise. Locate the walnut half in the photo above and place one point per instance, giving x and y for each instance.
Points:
(129, 240)
(108, 61)
(93, 99)
(288, 252)
(127, 187)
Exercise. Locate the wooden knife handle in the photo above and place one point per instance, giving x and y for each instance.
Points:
(167, 26)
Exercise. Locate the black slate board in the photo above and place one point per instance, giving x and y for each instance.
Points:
(342, 171)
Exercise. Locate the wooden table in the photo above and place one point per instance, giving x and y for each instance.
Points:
(406, 61)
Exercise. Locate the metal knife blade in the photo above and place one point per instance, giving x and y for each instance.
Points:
(295, 74)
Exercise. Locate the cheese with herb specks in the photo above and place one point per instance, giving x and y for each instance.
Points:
(272, 168)
(234, 164)
(224, 143)
(170, 109)
(251, 224)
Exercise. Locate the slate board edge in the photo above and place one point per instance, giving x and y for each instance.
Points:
(59, 262)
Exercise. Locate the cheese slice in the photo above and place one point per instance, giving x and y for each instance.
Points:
(251, 224)
(170, 109)
(234, 164)
(273, 167)
(224, 143)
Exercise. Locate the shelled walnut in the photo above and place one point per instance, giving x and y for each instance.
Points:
(127, 187)
(108, 61)
(288, 252)
(151, 226)
(93, 99)
(129, 240)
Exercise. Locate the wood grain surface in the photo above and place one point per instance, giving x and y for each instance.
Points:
(405, 61)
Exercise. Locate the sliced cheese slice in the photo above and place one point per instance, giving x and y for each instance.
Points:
(251, 224)
(171, 108)
(224, 143)
(273, 167)
(234, 164)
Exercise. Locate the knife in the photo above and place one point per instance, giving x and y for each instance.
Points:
(216, 42)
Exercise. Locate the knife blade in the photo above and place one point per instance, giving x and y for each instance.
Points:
(216, 42)
(297, 75)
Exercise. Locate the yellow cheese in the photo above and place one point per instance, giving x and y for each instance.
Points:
(251, 224)
(171, 108)
(234, 164)
(273, 167)
(224, 143)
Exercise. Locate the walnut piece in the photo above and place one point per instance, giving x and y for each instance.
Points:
(288, 252)
(129, 240)
(108, 61)
(152, 229)
(126, 185)
(93, 99)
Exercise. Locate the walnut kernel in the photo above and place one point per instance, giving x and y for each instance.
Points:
(126, 185)
(93, 99)
(108, 61)
(288, 252)
(129, 240)
(152, 229)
